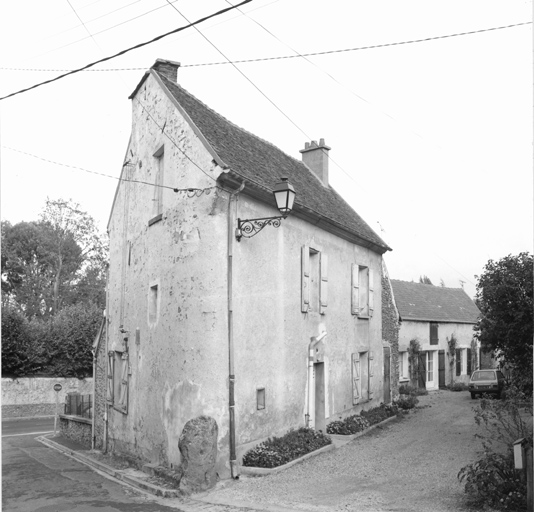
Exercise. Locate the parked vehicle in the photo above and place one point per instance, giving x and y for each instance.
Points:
(486, 382)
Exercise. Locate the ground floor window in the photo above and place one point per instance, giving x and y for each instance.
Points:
(118, 370)
(430, 366)
(362, 375)
(403, 365)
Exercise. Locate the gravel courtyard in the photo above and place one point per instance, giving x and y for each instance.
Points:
(408, 465)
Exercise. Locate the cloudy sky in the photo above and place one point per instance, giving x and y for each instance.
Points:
(431, 140)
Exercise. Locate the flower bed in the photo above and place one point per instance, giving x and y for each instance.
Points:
(360, 422)
(278, 451)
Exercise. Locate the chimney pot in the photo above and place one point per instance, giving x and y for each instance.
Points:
(316, 158)
(167, 68)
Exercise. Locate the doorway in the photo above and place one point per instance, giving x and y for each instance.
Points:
(320, 420)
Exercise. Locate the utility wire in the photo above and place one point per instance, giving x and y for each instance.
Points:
(299, 55)
(218, 13)
(243, 74)
(189, 190)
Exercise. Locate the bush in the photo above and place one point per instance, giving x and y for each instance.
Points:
(380, 413)
(357, 423)
(458, 386)
(406, 402)
(493, 481)
(277, 451)
(407, 389)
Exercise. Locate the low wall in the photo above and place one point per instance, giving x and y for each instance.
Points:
(35, 396)
(76, 429)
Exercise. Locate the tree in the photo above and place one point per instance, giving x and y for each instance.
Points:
(60, 259)
(504, 297)
(425, 280)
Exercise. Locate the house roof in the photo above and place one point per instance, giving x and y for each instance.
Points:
(425, 302)
(261, 164)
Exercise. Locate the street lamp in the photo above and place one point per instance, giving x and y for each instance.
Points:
(284, 195)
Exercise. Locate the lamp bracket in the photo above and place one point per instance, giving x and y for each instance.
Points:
(250, 227)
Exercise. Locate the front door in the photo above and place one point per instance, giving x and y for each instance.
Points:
(320, 420)
(441, 368)
(387, 375)
(421, 381)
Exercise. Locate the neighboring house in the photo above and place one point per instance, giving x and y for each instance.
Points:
(199, 324)
(433, 316)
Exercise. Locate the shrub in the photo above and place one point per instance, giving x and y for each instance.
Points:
(458, 386)
(407, 389)
(493, 481)
(348, 426)
(406, 402)
(380, 413)
(277, 451)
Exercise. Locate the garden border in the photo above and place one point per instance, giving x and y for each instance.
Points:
(349, 437)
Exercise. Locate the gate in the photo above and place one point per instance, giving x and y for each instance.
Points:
(441, 368)
(387, 375)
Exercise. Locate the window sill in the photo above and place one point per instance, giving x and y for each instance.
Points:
(155, 219)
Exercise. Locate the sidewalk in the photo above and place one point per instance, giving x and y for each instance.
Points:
(119, 470)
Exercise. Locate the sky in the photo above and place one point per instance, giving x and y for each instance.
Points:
(431, 141)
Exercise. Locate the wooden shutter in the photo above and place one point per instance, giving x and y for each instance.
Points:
(323, 289)
(371, 292)
(305, 271)
(109, 395)
(355, 299)
(123, 384)
(356, 383)
(370, 361)
(469, 361)
(458, 362)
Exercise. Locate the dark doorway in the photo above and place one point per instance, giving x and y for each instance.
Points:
(387, 375)
(441, 368)
(421, 381)
(320, 421)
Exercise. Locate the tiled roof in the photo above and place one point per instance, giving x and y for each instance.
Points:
(416, 301)
(262, 163)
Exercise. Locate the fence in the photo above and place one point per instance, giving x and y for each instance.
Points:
(79, 405)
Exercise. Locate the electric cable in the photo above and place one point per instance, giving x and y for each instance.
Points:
(122, 52)
(302, 55)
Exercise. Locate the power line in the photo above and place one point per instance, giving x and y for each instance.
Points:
(298, 55)
(218, 13)
(191, 191)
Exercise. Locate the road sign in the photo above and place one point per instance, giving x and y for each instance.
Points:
(57, 387)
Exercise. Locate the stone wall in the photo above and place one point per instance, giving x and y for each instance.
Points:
(35, 396)
(76, 429)
(99, 404)
(390, 330)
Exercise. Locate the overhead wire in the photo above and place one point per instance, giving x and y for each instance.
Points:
(122, 52)
(282, 57)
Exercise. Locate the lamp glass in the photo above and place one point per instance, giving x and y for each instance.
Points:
(284, 194)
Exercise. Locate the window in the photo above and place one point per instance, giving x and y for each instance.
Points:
(153, 304)
(434, 339)
(158, 189)
(260, 399)
(430, 366)
(314, 268)
(118, 370)
(362, 374)
(403, 365)
(362, 299)
(458, 361)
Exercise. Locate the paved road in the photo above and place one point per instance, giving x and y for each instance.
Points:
(36, 478)
(410, 465)
(24, 426)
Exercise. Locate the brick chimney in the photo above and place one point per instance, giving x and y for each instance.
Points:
(315, 156)
(167, 68)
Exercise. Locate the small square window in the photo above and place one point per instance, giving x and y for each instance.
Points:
(260, 399)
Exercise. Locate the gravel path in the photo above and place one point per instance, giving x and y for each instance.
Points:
(408, 465)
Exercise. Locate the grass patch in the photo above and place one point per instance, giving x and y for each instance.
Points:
(277, 451)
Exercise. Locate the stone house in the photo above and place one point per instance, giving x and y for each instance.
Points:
(435, 316)
(200, 324)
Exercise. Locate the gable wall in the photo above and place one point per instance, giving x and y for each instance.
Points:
(178, 361)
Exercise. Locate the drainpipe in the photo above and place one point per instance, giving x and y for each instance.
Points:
(231, 377)
(314, 341)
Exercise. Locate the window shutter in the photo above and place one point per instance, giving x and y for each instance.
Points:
(305, 270)
(109, 395)
(123, 384)
(458, 362)
(370, 360)
(371, 292)
(355, 378)
(469, 361)
(323, 290)
(355, 300)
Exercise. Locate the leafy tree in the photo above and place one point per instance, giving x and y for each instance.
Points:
(425, 280)
(60, 259)
(504, 297)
